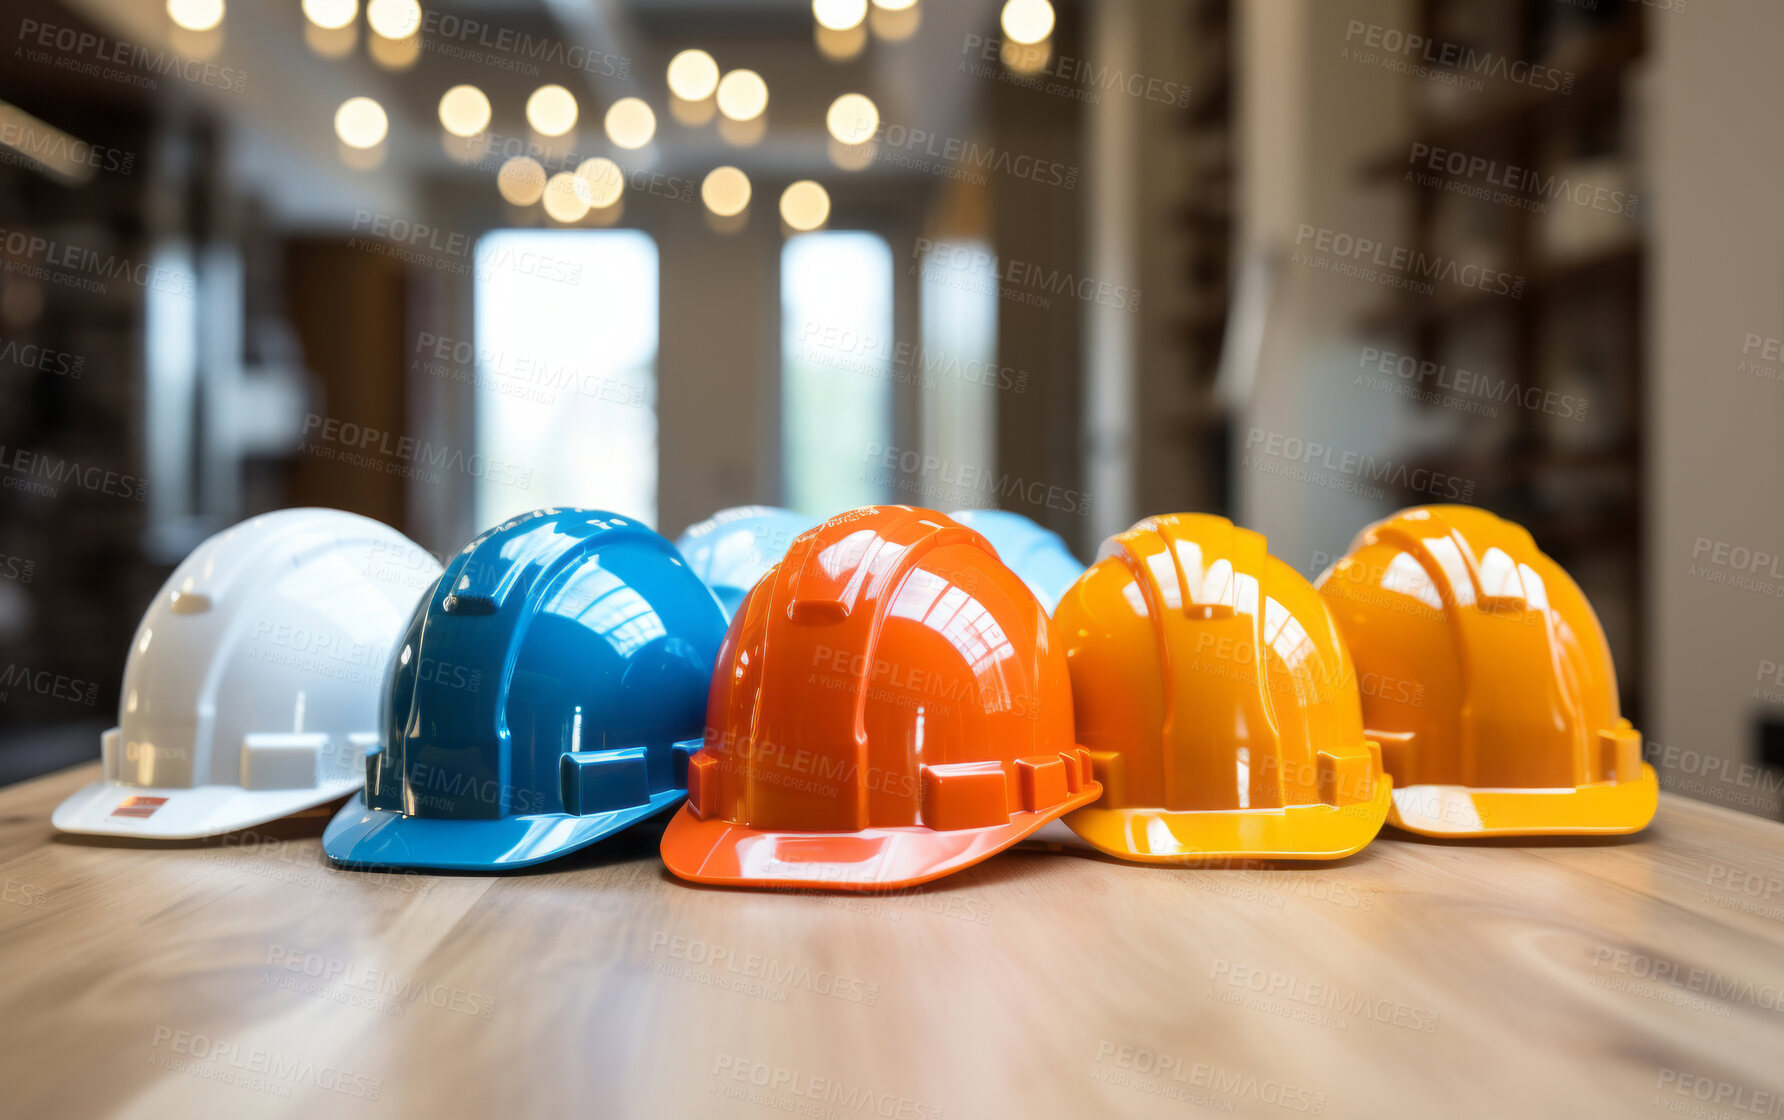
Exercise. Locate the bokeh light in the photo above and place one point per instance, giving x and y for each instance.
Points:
(805, 205)
(521, 180)
(360, 123)
(693, 75)
(394, 19)
(195, 15)
(551, 110)
(630, 123)
(726, 191)
(563, 200)
(743, 95)
(839, 15)
(1027, 21)
(331, 15)
(464, 111)
(600, 182)
(853, 118)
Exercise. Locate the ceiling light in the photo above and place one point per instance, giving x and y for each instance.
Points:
(630, 123)
(743, 95)
(852, 118)
(195, 15)
(464, 111)
(394, 19)
(693, 75)
(551, 110)
(360, 122)
(1027, 21)
(839, 15)
(331, 15)
(726, 191)
(805, 205)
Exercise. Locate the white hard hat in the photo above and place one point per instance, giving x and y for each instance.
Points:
(251, 689)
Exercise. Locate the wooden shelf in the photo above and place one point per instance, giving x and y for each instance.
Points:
(1412, 311)
(1597, 63)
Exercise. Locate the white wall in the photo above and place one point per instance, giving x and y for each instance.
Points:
(1306, 116)
(1716, 432)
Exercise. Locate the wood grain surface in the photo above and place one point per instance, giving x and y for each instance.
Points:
(243, 976)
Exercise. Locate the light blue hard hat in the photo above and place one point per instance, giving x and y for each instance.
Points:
(1038, 556)
(735, 547)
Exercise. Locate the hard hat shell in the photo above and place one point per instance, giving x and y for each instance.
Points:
(1487, 681)
(546, 694)
(891, 704)
(251, 686)
(735, 547)
(1038, 556)
(1217, 701)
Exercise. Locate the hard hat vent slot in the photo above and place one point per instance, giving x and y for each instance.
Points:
(470, 604)
(604, 781)
(965, 795)
(189, 602)
(703, 786)
(1043, 782)
(111, 753)
(680, 754)
(281, 761)
(1620, 752)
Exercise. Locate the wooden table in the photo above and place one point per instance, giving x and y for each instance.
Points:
(245, 977)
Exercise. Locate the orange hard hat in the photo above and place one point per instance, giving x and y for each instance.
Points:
(1487, 681)
(890, 705)
(1217, 701)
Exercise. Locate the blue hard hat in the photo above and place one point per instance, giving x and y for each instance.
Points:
(547, 693)
(735, 547)
(1039, 556)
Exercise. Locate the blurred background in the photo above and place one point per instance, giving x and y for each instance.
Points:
(1299, 262)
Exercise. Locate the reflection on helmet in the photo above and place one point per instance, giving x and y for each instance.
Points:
(251, 687)
(1217, 701)
(1487, 680)
(891, 705)
(734, 547)
(537, 699)
(1039, 556)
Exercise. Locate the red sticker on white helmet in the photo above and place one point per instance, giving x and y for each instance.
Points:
(138, 807)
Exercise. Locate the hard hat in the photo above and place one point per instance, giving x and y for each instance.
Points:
(1038, 556)
(540, 699)
(890, 705)
(251, 686)
(732, 549)
(1217, 701)
(1487, 681)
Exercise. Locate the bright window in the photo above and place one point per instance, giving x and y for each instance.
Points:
(566, 354)
(958, 366)
(836, 370)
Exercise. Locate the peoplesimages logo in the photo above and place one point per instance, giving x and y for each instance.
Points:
(1201, 1084)
(1311, 1000)
(1698, 1090)
(752, 973)
(793, 1091)
(368, 986)
(344, 441)
(1335, 468)
(232, 1062)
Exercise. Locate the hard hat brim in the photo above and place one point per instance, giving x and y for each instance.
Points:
(1293, 832)
(1598, 809)
(364, 837)
(720, 853)
(188, 813)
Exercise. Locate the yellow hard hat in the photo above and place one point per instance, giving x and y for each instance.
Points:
(1487, 681)
(1218, 702)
